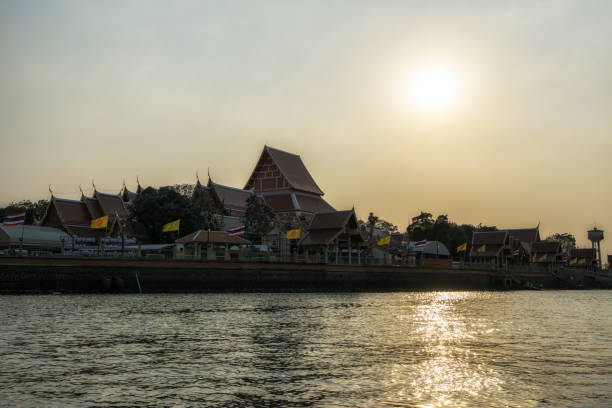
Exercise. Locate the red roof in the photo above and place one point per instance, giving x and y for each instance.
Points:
(93, 207)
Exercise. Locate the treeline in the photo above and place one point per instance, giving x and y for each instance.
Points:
(451, 234)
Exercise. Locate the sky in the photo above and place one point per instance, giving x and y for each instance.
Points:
(104, 91)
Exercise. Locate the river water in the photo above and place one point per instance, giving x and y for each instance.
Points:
(416, 349)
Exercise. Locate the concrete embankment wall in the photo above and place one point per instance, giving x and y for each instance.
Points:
(99, 276)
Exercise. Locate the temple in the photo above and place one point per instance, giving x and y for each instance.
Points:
(74, 216)
(286, 186)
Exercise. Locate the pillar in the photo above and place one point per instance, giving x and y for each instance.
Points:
(227, 253)
(350, 251)
(210, 253)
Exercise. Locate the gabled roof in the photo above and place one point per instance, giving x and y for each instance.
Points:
(291, 168)
(93, 206)
(545, 247)
(313, 204)
(111, 204)
(529, 235)
(71, 212)
(493, 241)
(325, 227)
(279, 202)
(230, 197)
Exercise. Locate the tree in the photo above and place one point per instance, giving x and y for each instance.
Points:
(567, 241)
(34, 210)
(155, 207)
(258, 219)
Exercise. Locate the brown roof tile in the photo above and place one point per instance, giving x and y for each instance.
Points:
(319, 237)
(72, 212)
(279, 202)
(529, 235)
(313, 204)
(489, 238)
(330, 220)
(111, 204)
(93, 207)
(233, 198)
(545, 247)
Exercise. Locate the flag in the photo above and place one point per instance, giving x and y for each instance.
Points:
(238, 231)
(516, 252)
(172, 226)
(384, 241)
(607, 265)
(420, 244)
(462, 247)
(99, 223)
(294, 234)
(533, 258)
(14, 219)
(574, 261)
(582, 261)
(543, 258)
(482, 249)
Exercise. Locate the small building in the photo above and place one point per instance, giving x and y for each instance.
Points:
(333, 237)
(209, 245)
(583, 257)
(488, 247)
(36, 239)
(546, 253)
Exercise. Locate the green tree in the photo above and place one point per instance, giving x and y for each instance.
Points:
(155, 207)
(566, 240)
(258, 219)
(34, 210)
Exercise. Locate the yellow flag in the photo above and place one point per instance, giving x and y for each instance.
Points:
(582, 261)
(533, 258)
(574, 261)
(384, 241)
(607, 265)
(462, 247)
(482, 249)
(172, 226)
(543, 258)
(99, 223)
(293, 234)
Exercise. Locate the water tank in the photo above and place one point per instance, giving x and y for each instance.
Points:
(596, 235)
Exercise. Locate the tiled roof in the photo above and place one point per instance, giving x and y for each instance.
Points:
(319, 237)
(93, 207)
(330, 220)
(111, 204)
(231, 197)
(490, 250)
(313, 204)
(529, 235)
(215, 237)
(279, 202)
(489, 238)
(72, 212)
(545, 247)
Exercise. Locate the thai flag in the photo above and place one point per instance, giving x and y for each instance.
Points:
(516, 252)
(420, 244)
(238, 231)
(14, 219)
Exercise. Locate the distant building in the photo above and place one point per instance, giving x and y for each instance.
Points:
(35, 238)
(509, 246)
(74, 216)
(286, 186)
(546, 252)
(583, 257)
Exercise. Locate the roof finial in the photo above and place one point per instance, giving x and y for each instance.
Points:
(81, 189)
(197, 177)
(123, 183)
(94, 185)
(50, 191)
(137, 181)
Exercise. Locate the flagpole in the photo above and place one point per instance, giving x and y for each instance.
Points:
(21, 240)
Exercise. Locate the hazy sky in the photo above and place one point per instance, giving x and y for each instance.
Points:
(109, 90)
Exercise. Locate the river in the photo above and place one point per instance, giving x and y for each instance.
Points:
(415, 349)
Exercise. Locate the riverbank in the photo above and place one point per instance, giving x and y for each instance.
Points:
(101, 275)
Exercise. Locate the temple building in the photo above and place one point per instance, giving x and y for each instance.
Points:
(74, 216)
(128, 196)
(286, 186)
(505, 246)
(546, 252)
(229, 204)
(334, 237)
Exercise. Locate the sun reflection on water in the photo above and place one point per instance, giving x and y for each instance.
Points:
(446, 368)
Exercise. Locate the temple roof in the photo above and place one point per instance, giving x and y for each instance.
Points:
(325, 227)
(493, 241)
(93, 206)
(230, 197)
(529, 235)
(111, 204)
(291, 168)
(72, 212)
(545, 247)
(588, 253)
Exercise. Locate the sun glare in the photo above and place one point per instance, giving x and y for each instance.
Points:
(431, 88)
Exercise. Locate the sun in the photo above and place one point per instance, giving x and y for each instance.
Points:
(431, 88)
